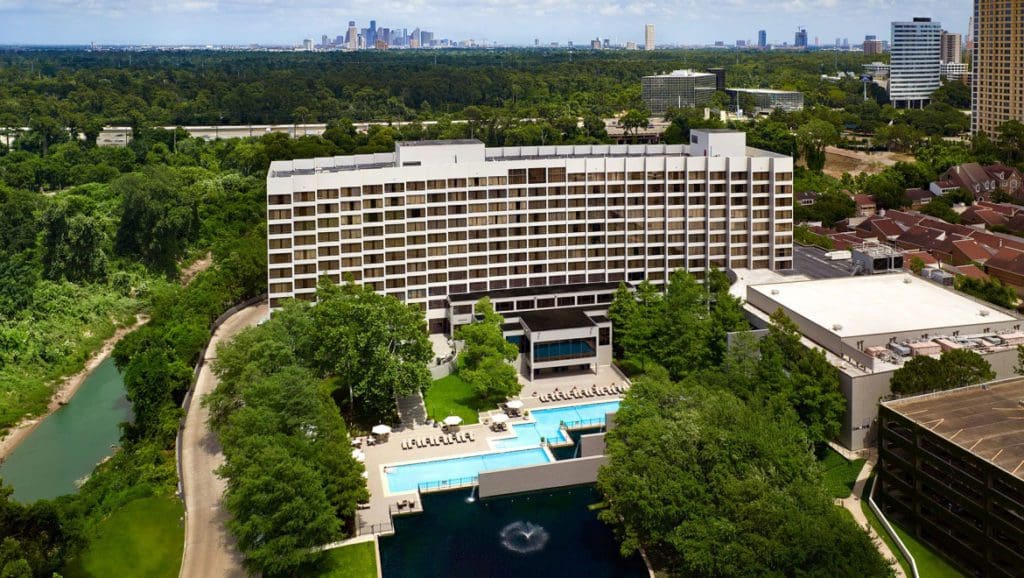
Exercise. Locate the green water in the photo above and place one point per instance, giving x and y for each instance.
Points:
(69, 443)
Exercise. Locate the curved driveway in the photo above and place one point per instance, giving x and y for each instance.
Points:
(209, 548)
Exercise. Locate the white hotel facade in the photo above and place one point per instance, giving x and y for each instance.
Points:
(440, 223)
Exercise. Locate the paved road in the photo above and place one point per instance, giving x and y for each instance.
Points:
(209, 548)
(811, 261)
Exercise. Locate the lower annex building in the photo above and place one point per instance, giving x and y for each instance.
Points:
(440, 224)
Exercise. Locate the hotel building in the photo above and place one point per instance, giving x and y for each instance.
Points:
(441, 223)
(678, 89)
(997, 81)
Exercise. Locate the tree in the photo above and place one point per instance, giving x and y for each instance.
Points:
(916, 265)
(964, 367)
(634, 120)
(280, 511)
(954, 93)
(375, 345)
(812, 138)
(159, 218)
(954, 368)
(73, 242)
(1011, 141)
(484, 360)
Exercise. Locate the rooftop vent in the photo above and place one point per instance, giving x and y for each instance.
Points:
(983, 313)
(837, 327)
(775, 291)
(906, 280)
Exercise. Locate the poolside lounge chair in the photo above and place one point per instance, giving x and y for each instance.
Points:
(405, 444)
(469, 435)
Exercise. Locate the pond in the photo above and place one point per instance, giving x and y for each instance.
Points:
(68, 444)
(551, 533)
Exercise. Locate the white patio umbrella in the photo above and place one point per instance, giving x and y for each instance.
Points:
(452, 420)
(381, 430)
(499, 418)
(359, 455)
(515, 404)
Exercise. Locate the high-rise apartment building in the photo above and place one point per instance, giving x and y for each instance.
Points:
(800, 39)
(914, 69)
(678, 89)
(952, 51)
(997, 82)
(762, 39)
(649, 37)
(438, 223)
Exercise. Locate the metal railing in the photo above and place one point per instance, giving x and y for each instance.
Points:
(592, 423)
(380, 528)
(450, 484)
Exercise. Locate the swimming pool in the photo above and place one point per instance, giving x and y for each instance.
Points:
(548, 421)
(406, 478)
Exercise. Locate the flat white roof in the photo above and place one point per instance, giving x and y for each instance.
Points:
(876, 304)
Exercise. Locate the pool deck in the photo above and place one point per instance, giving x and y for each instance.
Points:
(377, 518)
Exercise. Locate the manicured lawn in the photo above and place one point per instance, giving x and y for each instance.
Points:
(929, 564)
(453, 396)
(142, 539)
(840, 474)
(354, 561)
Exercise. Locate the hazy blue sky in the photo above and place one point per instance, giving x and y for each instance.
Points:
(506, 21)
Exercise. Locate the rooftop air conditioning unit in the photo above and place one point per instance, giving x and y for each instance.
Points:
(837, 327)
(983, 313)
(775, 291)
(906, 280)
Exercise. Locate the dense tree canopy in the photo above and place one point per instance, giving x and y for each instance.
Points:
(712, 486)
(954, 368)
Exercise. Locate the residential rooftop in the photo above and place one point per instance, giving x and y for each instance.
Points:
(987, 421)
(879, 304)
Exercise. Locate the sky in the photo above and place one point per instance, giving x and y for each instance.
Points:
(175, 22)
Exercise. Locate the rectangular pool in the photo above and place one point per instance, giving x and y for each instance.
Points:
(548, 421)
(407, 477)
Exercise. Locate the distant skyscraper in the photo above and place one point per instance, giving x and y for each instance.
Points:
(951, 47)
(800, 39)
(762, 39)
(536, 42)
(649, 37)
(914, 66)
(324, 41)
(352, 39)
(872, 45)
(371, 36)
(839, 42)
(307, 44)
(997, 82)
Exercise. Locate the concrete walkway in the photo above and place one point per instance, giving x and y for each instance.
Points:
(209, 548)
(853, 504)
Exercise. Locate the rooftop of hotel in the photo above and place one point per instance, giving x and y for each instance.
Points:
(685, 73)
(320, 165)
(878, 304)
(552, 319)
(986, 421)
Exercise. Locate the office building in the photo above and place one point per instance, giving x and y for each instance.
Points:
(767, 100)
(800, 39)
(869, 326)
(997, 82)
(876, 70)
(631, 45)
(951, 47)
(914, 65)
(371, 33)
(762, 39)
(307, 45)
(950, 473)
(539, 227)
(679, 89)
(352, 39)
(719, 77)
(649, 37)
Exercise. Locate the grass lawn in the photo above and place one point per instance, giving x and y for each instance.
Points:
(840, 474)
(929, 564)
(143, 539)
(453, 396)
(354, 561)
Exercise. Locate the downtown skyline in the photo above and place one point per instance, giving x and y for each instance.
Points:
(244, 22)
